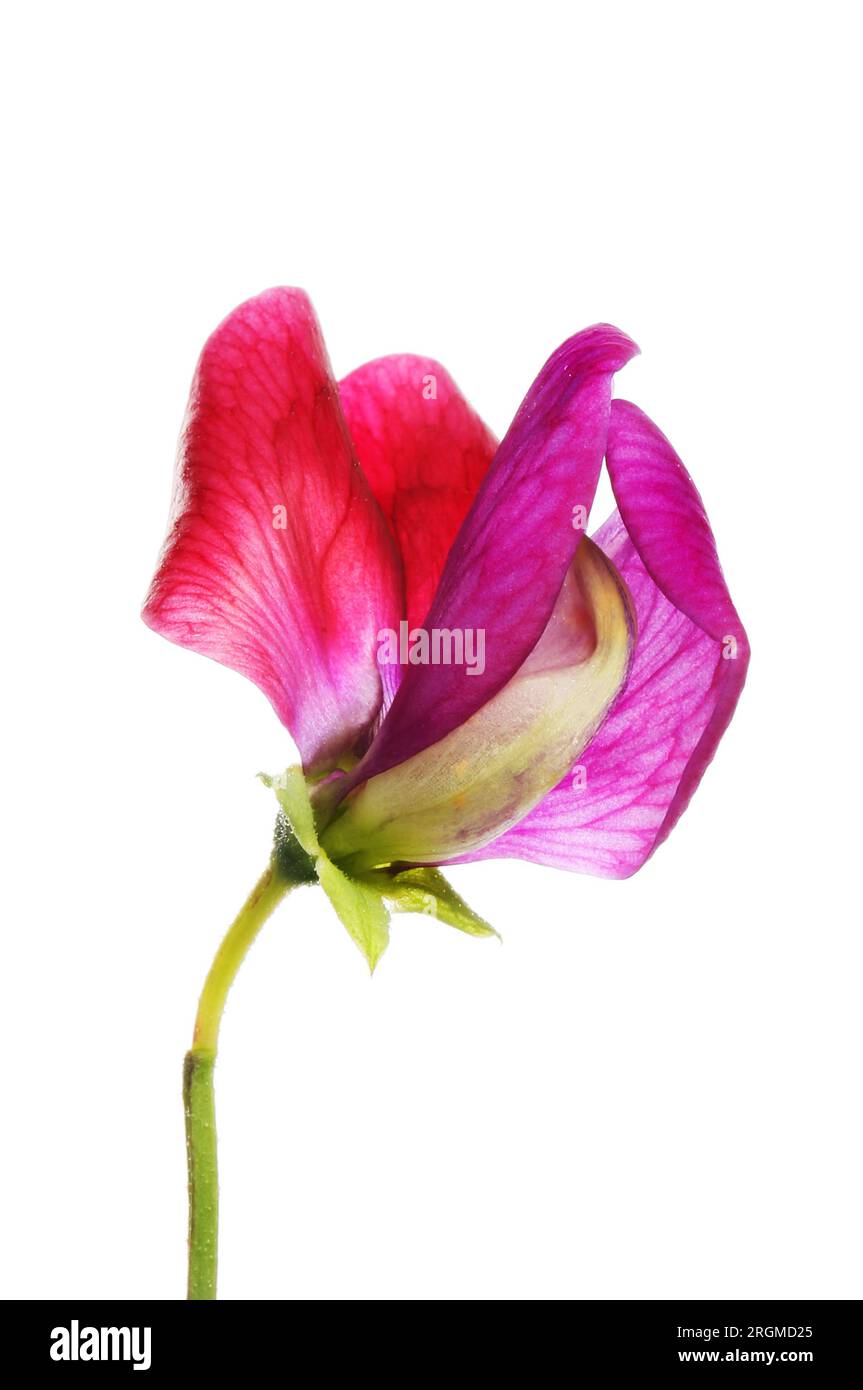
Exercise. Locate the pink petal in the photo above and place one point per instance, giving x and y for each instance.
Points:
(645, 762)
(424, 452)
(296, 606)
(508, 562)
(486, 774)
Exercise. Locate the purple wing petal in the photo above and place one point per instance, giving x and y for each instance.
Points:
(638, 774)
(510, 557)
(485, 775)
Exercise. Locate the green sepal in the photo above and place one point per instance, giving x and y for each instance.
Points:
(293, 797)
(426, 890)
(360, 901)
(291, 859)
(359, 906)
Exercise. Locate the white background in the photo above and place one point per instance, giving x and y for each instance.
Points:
(652, 1088)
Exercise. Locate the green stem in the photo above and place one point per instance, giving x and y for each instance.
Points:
(200, 1063)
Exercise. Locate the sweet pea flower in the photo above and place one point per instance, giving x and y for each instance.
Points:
(310, 519)
(465, 672)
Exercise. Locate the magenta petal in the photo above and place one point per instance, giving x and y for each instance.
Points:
(637, 776)
(424, 452)
(510, 557)
(666, 520)
(278, 561)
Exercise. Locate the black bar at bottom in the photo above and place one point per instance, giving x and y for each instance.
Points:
(548, 1340)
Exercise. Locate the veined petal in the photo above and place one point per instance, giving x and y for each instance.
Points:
(424, 452)
(278, 561)
(636, 777)
(667, 522)
(508, 562)
(484, 775)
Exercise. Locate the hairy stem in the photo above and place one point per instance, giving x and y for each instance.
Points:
(198, 1097)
